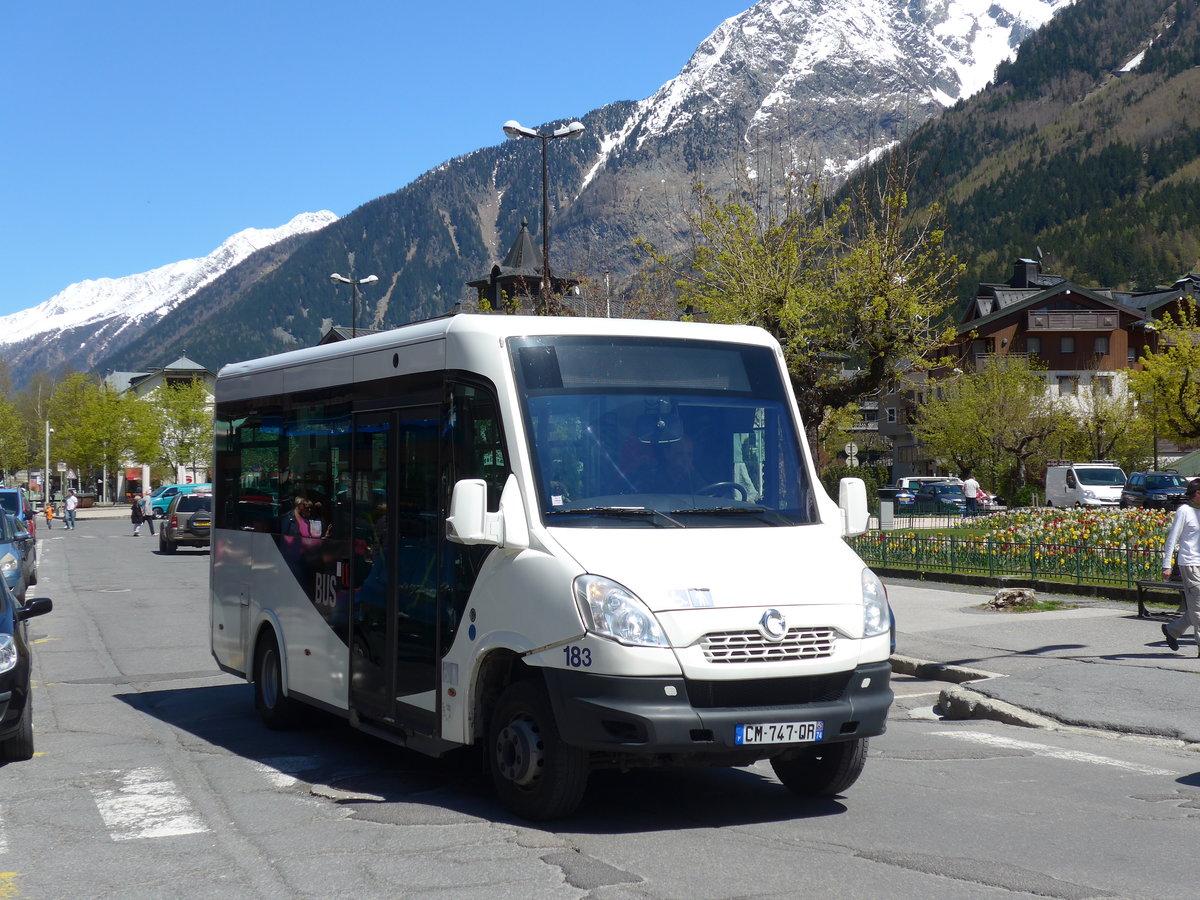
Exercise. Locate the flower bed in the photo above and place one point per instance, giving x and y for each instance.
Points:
(1100, 546)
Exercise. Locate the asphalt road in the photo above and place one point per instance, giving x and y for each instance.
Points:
(155, 779)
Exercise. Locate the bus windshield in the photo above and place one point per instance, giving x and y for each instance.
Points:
(645, 433)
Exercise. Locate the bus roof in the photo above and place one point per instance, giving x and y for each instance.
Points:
(500, 326)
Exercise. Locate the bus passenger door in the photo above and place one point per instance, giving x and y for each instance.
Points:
(393, 569)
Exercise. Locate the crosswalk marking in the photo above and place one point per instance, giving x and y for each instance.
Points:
(146, 804)
(996, 740)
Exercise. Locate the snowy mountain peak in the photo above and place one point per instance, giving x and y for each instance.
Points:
(789, 70)
(146, 297)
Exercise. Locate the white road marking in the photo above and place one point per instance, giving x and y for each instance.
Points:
(1054, 752)
(146, 804)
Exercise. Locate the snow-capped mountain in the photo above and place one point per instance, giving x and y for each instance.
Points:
(93, 319)
(115, 305)
(828, 82)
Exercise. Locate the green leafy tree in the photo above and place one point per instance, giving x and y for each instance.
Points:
(854, 294)
(998, 422)
(13, 445)
(1110, 424)
(185, 421)
(1168, 384)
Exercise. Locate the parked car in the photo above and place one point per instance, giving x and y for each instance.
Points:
(18, 556)
(940, 497)
(188, 522)
(14, 501)
(1155, 490)
(161, 499)
(16, 712)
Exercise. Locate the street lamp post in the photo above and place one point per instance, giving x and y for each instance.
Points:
(46, 473)
(355, 284)
(574, 131)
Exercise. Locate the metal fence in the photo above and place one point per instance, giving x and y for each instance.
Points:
(1073, 563)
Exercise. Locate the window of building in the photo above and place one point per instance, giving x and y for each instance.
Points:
(1103, 385)
(1100, 344)
(1033, 344)
(1067, 343)
(891, 415)
(1067, 384)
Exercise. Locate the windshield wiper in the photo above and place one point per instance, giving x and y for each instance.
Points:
(770, 514)
(619, 511)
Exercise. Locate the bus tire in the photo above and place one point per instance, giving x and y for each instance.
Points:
(822, 771)
(535, 774)
(276, 709)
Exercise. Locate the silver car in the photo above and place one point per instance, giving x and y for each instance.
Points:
(188, 522)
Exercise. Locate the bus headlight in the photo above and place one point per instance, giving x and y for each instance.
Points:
(8, 653)
(876, 619)
(612, 611)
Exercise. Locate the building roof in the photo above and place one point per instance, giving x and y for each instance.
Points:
(335, 333)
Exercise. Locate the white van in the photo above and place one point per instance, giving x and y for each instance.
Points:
(1084, 484)
(577, 543)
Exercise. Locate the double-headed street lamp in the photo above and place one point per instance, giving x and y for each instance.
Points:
(355, 284)
(572, 130)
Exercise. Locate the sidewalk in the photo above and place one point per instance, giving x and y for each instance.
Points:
(1097, 666)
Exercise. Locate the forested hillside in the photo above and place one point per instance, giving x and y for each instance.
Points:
(1065, 152)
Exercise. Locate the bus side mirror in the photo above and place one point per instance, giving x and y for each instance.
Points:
(470, 522)
(852, 501)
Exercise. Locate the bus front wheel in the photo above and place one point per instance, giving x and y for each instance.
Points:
(534, 772)
(275, 708)
(822, 771)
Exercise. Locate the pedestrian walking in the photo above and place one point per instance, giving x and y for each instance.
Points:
(49, 511)
(971, 493)
(136, 515)
(70, 504)
(148, 511)
(1184, 537)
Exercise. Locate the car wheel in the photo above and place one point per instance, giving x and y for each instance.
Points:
(19, 747)
(535, 774)
(166, 546)
(823, 770)
(276, 709)
(33, 577)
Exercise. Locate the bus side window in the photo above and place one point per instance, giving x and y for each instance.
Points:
(474, 448)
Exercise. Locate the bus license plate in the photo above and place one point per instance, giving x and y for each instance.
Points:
(780, 733)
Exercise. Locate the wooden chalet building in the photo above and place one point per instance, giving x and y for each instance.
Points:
(1084, 337)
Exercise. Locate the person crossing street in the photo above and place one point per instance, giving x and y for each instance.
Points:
(148, 512)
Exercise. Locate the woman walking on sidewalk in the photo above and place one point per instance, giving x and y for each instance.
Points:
(1185, 535)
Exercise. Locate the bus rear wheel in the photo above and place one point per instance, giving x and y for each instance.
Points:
(822, 771)
(276, 709)
(535, 774)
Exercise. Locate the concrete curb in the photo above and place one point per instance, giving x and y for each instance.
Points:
(963, 703)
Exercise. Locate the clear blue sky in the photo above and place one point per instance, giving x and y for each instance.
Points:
(141, 132)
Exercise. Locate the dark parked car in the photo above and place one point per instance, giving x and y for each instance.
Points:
(188, 522)
(939, 497)
(1158, 490)
(18, 556)
(16, 713)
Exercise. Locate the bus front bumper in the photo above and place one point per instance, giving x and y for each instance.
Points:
(676, 716)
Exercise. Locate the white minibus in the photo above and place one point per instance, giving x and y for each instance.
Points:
(579, 543)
